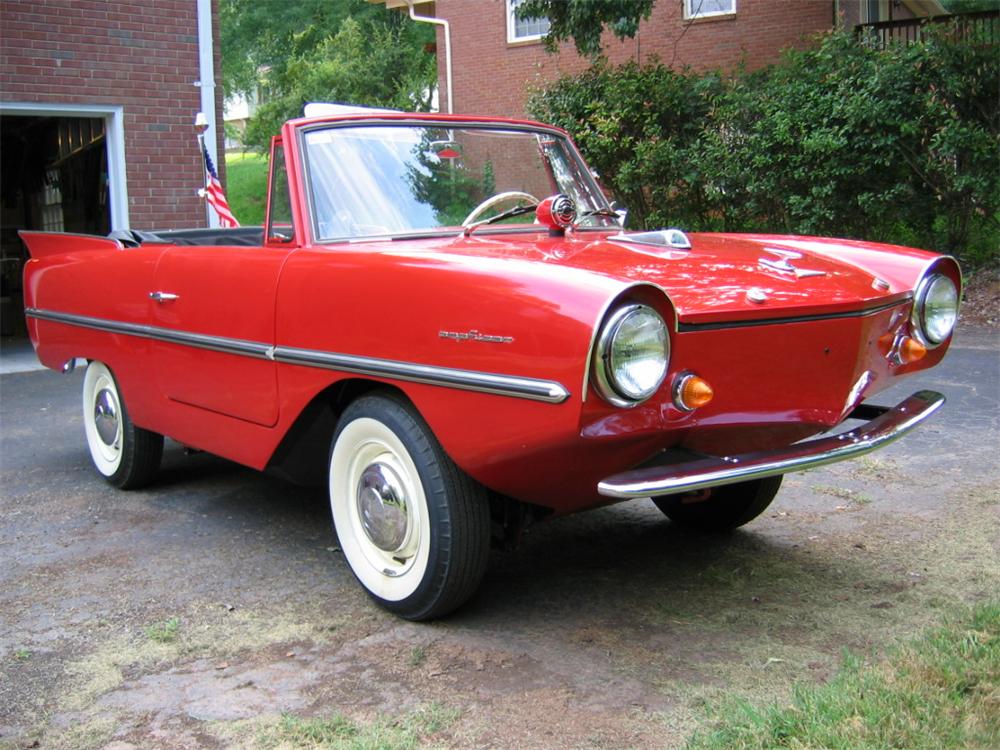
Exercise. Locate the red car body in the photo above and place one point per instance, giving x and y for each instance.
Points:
(490, 335)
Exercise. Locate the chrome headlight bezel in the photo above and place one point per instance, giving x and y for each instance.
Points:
(928, 287)
(606, 380)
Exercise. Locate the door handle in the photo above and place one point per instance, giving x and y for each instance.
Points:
(162, 297)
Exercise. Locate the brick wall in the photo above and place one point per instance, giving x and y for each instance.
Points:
(492, 77)
(139, 54)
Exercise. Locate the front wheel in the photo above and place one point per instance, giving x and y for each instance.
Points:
(721, 508)
(413, 527)
(126, 456)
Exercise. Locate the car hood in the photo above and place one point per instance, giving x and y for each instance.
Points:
(724, 277)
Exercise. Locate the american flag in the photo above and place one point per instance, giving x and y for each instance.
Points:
(214, 194)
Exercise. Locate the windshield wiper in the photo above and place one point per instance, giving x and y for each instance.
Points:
(508, 214)
(600, 212)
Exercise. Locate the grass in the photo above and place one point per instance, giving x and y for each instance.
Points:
(858, 498)
(756, 616)
(163, 632)
(246, 187)
(338, 732)
(208, 632)
(938, 692)
(877, 467)
(418, 655)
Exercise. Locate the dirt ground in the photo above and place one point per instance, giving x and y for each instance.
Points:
(197, 612)
(981, 299)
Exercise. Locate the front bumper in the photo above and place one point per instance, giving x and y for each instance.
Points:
(885, 425)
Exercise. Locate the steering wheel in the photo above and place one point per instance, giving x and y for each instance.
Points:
(493, 200)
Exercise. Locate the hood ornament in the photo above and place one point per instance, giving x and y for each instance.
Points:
(784, 265)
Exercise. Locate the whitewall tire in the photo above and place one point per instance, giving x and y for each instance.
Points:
(414, 528)
(125, 455)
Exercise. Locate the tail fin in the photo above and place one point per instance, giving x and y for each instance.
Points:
(44, 244)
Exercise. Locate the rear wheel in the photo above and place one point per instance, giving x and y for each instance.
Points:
(126, 456)
(413, 527)
(721, 508)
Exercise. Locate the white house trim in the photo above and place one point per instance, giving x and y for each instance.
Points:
(692, 11)
(512, 36)
(114, 133)
(206, 80)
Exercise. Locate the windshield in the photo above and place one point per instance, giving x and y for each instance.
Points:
(375, 180)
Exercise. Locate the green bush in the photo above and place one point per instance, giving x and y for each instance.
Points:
(899, 145)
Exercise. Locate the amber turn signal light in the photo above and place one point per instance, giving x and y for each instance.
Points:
(692, 392)
(911, 350)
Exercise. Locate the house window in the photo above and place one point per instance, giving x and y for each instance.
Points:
(873, 11)
(708, 8)
(524, 29)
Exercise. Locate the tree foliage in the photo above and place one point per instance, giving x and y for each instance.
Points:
(583, 21)
(350, 51)
(898, 145)
(969, 6)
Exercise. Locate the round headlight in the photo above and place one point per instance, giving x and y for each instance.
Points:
(935, 309)
(630, 360)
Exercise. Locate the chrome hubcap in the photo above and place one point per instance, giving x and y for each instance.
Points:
(106, 417)
(382, 507)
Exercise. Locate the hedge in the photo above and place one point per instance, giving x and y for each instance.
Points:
(898, 145)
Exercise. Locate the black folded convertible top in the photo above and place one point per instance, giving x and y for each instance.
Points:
(240, 236)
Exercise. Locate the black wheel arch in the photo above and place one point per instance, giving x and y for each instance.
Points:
(301, 456)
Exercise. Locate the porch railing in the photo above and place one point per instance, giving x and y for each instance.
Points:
(982, 27)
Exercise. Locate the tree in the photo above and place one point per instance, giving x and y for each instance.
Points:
(968, 6)
(350, 51)
(260, 36)
(584, 20)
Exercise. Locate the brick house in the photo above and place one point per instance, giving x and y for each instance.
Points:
(497, 59)
(97, 104)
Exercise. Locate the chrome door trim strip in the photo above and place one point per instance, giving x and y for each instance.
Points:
(197, 340)
(470, 380)
(85, 321)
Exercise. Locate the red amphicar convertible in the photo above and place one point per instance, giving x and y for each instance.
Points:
(444, 320)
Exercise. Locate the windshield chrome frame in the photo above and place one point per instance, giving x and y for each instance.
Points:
(449, 124)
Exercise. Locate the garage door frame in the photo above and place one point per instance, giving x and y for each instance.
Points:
(114, 128)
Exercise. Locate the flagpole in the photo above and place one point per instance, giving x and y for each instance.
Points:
(200, 126)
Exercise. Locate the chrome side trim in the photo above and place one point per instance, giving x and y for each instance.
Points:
(84, 321)
(886, 426)
(197, 340)
(469, 380)
(215, 343)
(502, 385)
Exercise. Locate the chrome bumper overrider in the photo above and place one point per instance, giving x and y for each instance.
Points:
(886, 424)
